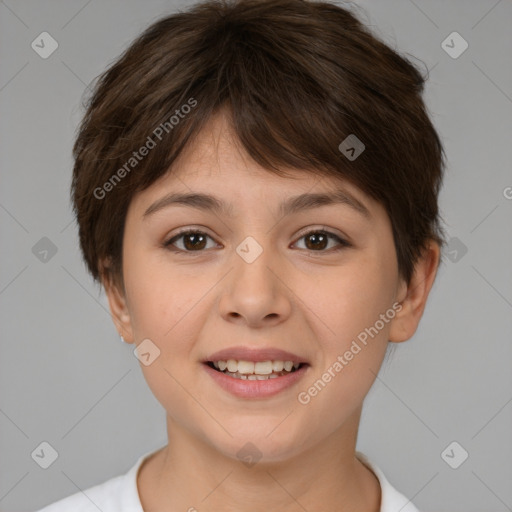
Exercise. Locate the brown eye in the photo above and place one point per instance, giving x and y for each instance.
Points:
(318, 240)
(196, 241)
(193, 241)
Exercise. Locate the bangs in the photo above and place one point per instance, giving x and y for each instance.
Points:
(294, 79)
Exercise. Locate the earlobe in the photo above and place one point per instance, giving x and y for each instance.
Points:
(117, 304)
(413, 297)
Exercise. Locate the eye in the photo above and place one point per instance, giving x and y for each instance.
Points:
(194, 241)
(317, 240)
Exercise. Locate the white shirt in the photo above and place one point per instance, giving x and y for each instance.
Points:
(120, 494)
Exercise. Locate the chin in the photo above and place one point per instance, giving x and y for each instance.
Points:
(260, 444)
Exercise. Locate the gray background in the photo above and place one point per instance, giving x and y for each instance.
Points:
(67, 379)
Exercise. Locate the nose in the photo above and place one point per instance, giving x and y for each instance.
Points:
(255, 292)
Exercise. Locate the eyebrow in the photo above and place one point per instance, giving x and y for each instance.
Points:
(291, 205)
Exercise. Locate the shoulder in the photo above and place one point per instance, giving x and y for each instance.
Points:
(102, 496)
(118, 494)
(391, 499)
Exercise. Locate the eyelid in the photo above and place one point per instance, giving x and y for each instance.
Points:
(343, 241)
(327, 229)
(168, 242)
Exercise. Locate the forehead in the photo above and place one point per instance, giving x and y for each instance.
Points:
(215, 164)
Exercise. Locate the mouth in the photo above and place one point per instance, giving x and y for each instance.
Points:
(255, 370)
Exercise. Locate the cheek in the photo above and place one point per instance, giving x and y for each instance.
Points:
(159, 295)
(357, 308)
(352, 299)
(165, 308)
(353, 346)
(169, 306)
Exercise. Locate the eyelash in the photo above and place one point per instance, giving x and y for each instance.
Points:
(169, 243)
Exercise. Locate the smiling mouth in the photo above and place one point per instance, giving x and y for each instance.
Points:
(248, 370)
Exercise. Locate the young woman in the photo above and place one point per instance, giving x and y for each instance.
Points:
(256, 188)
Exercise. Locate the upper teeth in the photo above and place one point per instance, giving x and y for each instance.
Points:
(258, 368)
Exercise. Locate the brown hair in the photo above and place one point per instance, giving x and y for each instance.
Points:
(296, 77)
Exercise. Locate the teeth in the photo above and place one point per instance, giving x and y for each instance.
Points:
(232, 365)
(252, 376)
(246, 367)
(258, 368)
(262, 367)
(277, 366)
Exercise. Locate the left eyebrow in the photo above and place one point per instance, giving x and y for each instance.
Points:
(291, 205)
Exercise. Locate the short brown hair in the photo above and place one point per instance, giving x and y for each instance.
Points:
(296, 77)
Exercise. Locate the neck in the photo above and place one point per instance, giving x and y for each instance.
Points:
(190, 474)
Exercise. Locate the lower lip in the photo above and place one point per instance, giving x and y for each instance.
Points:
(255, 388)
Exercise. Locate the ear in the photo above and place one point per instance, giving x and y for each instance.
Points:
(413, 297)
(116, 296)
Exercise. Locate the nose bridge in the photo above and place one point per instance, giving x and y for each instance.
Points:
(255, 292)
(252, 262)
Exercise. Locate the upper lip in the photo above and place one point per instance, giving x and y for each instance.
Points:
(254, 354)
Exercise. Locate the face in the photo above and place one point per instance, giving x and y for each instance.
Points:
(314, 281)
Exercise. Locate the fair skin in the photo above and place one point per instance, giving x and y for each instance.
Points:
(297, 296)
